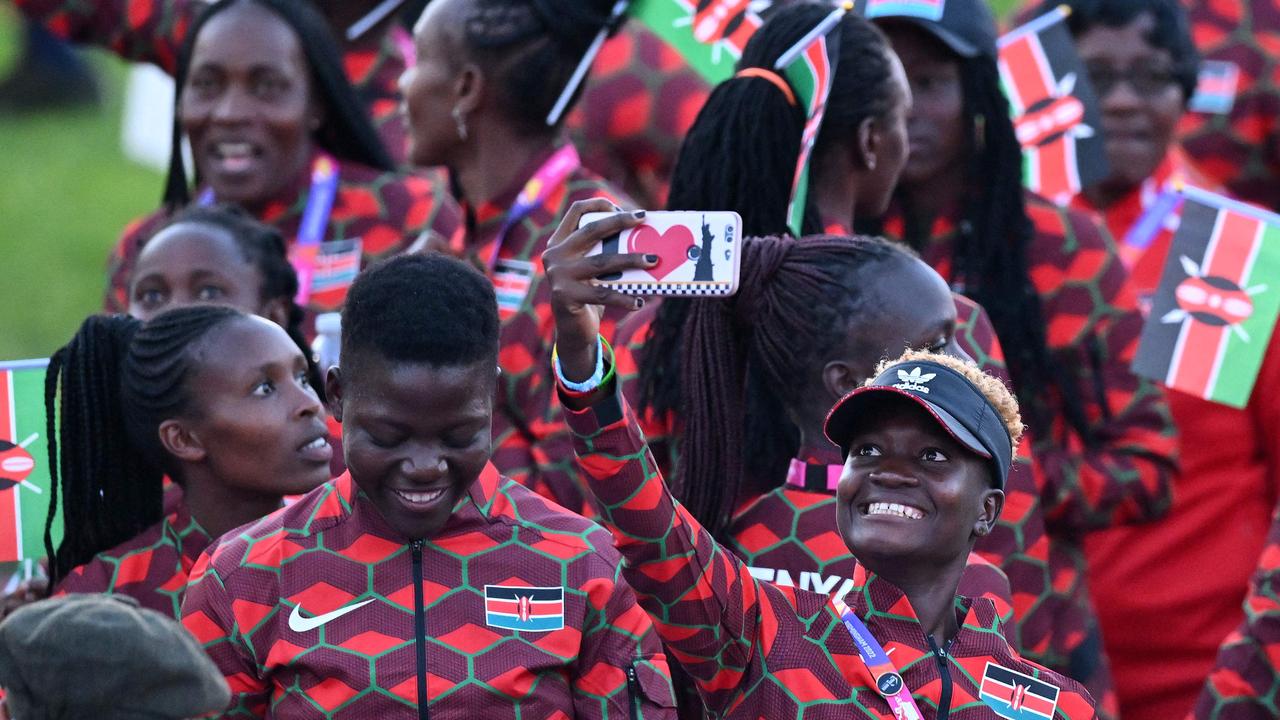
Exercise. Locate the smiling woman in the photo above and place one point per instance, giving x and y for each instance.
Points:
(237, 431)
(276, 128)
(481, 596)
(922, 480)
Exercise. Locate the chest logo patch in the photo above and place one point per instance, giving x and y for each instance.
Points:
(1016, 696)
(300, 624)
(532, 609)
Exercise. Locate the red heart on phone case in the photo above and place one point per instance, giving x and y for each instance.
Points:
(671, 247)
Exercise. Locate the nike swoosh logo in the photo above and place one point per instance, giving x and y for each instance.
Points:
(298, 623)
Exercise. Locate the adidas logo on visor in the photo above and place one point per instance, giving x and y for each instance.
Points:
(914, 380)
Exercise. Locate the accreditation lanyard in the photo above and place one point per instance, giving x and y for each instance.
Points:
(1158, 207)
(315, 221)
(888, 682)
(536, 190)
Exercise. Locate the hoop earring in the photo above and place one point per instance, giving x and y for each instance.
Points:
(460, 121)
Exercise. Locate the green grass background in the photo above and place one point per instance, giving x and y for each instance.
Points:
(66, 190)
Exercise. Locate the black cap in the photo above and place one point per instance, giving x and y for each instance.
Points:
(968, 27)
(957, 404)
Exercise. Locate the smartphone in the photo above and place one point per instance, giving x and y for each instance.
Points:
(699, 253)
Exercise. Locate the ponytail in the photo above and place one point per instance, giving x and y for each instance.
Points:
(796, 303)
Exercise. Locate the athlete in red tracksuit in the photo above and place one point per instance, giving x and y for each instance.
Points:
(917, 490)
(422, 582)
(150, 31)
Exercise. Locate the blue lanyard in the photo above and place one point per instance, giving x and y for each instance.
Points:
(888, 682)
(315, 221)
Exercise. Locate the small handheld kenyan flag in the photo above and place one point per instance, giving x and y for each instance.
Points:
(1055, 110)
(24, 472)
(708, 34)
(1216, 305)
(809, 66)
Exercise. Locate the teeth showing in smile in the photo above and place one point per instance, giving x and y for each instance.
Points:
(316, 444)
(903, 511)
(229, 150)
(420, 498)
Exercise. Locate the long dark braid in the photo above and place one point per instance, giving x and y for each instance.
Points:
(346, 130)
(740, 155)
(990, 259)
(263, 247)
(796, 302)
(116, 381)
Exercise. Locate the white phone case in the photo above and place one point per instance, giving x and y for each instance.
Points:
(700, 253)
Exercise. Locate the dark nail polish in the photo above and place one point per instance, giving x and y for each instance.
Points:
(638, 214)
(651, 259)
(639, 303)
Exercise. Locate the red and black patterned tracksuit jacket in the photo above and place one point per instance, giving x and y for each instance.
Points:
(532, 445)
(1240, 149)
(152, 568)
(757, 650)
(515, 609)
(1245, 681)
(387, 212)
(153, 31)
(789, 529)
(640, 101)
(1124, 475)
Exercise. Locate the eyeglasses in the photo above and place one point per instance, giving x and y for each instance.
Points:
(1146, 80)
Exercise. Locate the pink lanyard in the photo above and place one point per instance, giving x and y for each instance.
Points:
(537, 189)
(315, 221)
(889, 683)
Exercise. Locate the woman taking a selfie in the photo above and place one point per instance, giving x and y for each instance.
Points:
(918, 487)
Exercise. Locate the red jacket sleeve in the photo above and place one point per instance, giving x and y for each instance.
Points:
(702, 599)
(141, 30)
(1246, 675)
(1123, 473)
(207, 614)
(612, 678)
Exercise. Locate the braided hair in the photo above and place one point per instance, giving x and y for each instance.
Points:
(106, 394)
(263, 247)
(796, 301)
(990, 262)
(532, 47)
(345, 130)
(740, 154)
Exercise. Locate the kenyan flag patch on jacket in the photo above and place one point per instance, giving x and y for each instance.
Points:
(532, 609)
(1016, 696)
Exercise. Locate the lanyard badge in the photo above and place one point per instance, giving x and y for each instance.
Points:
(304, 253)
(888, 682)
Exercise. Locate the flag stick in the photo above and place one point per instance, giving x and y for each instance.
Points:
(562, 102)
(29, 440)
(1062, 12)
(819, 30)
(375, 16)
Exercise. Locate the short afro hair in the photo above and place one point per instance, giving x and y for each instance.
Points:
(427, 309)
(1172, 31)
(1005, 404)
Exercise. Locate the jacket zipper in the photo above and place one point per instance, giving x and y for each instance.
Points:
(944, 699)
(633, 688)
(420, 630)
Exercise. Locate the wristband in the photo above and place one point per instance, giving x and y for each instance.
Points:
(588, 387)
(589, 384)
